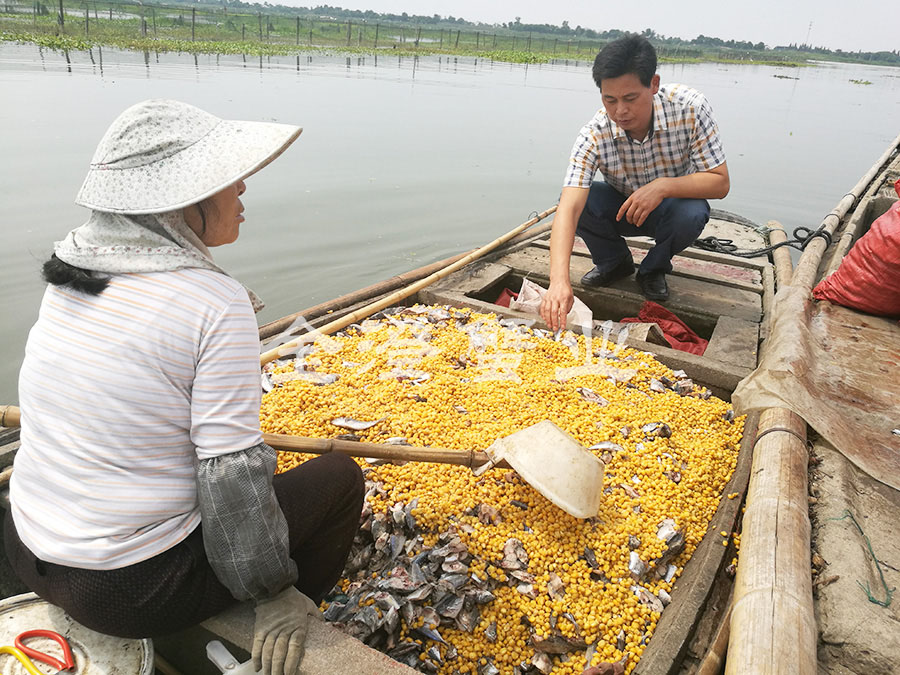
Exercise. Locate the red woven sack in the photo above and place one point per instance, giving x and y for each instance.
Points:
(869, 276)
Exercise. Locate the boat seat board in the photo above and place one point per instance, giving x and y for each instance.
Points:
(689, 298)
(726, 274)
(328, 650)
(734, 341)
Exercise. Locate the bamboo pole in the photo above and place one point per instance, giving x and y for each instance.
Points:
(399, 453)
(280, 325)
(808, 265)
(369, 292)
(360, 314)
(10, 416)
(771, 615)
(780, 256)
(855, 226)
(714, 660)
(773, 624)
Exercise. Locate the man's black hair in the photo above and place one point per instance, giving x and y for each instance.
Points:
(630, 54)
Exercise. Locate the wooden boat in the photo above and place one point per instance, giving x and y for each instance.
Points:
(726, 299)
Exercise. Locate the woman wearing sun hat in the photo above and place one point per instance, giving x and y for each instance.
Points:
(143, 498)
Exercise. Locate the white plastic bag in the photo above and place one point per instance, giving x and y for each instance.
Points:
(530, 297)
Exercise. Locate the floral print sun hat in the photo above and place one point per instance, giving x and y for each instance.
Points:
(161, 155)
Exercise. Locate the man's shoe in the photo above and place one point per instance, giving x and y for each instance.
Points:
(597, 277)
(653, 286)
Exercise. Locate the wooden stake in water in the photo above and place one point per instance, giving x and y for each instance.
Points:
(376, 36)
(298, 30)
(193, 22)
(349, 31)
(87, 28)
(62, 17)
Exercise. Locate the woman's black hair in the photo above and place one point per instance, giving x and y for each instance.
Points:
(60, 273)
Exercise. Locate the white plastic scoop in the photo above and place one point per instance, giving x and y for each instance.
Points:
(555, 464)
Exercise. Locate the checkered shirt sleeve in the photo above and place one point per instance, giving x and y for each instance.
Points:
(706, 145)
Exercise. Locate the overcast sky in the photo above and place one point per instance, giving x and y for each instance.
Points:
(868, 25)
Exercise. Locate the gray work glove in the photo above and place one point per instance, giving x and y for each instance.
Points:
(279, 636)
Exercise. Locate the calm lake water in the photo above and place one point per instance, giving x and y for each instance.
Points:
(402, 161)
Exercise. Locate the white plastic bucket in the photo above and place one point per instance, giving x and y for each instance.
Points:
(94, 653)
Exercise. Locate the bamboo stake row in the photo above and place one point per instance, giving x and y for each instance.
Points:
(397, 296)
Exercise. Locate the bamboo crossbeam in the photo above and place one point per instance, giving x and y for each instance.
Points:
(393, 298)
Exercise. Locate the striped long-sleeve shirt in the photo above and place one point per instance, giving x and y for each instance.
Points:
(122, 395)
(684, 139)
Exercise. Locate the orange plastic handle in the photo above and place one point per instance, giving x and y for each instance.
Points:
(69, 661)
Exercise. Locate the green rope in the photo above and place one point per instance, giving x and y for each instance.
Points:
(889, 592)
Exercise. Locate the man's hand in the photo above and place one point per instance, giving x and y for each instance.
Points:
(279, 636)
(643, 201)
(556, 305)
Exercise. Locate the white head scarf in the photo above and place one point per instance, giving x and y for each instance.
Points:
(120, 243)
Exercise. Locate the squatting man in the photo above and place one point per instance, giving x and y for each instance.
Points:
(660, 156)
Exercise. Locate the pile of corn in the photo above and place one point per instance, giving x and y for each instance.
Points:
(457, 379)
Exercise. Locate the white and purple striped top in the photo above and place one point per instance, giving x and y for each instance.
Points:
(121, 395)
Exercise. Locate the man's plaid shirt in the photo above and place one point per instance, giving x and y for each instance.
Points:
(684, 139)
